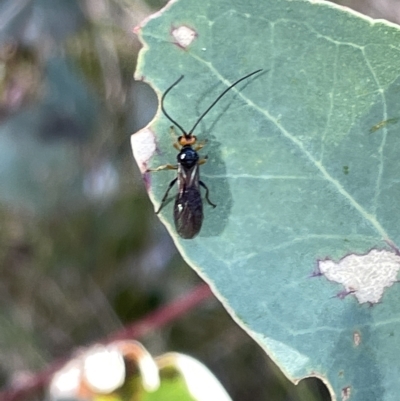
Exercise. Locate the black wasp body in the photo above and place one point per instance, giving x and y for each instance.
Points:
(188, 208)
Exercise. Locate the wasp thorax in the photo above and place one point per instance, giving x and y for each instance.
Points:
(188, 157)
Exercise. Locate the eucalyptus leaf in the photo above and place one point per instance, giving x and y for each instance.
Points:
(303, 166)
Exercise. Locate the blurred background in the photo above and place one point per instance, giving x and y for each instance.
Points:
(81, 252)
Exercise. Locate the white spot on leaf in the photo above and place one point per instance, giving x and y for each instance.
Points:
(183, 36)
(366, 276)
(346, 392)
(143, 147)
(356, 338)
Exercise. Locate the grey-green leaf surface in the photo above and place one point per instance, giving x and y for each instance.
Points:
(303, 166)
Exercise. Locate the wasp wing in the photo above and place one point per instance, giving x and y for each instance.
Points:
(188, 209)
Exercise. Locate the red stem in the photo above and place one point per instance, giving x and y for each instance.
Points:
(153, 321)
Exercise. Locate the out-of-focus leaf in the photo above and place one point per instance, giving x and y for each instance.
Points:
(125, 371)
(29, 22)
(185, 378)
(39, 157)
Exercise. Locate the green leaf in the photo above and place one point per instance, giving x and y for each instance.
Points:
(303, 165)
(184, 378)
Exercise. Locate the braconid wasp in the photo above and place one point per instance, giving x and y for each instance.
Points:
(188, 208)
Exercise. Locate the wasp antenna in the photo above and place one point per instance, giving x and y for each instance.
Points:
(163, 109)
(219, 97)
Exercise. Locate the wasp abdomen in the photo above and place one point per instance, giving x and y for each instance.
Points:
(188, 213)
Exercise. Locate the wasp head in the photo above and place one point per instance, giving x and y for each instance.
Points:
(186, 140)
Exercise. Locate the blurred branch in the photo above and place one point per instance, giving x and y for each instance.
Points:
(153, 321)
(164, 315)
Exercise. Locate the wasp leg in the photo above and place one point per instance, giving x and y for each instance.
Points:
(203, 160)
(163, 167)
(171, 184)
(207, 191)
(174, 137)
(200, 145)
